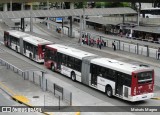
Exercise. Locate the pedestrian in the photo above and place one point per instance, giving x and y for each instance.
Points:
(158, 52)
(79, 40)
(100, 44)
(114, 46)
(83, 42)
(92, 42)
(89, 41)
(86, 41)
(82, 35)
(97, 42)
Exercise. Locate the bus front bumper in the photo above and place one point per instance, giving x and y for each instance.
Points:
(142, 97)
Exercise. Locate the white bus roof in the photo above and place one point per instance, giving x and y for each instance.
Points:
(117, 65)
(36, 40)
(70, 51)
(17, 34)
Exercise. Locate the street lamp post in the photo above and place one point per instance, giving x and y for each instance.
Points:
(82, 24)
(31, 18)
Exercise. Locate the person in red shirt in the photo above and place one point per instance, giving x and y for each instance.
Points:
(97, 42)
(86, 41)
(100, 44)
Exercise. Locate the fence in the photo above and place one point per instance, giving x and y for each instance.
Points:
(125, 46)
(38, 78)
(12, 67)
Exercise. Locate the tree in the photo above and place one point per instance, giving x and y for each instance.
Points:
(67, 5)
(111, 4)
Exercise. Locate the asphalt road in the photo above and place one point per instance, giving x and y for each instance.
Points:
(114, 101)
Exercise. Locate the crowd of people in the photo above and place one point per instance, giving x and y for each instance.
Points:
(91, 42)
(101, 43)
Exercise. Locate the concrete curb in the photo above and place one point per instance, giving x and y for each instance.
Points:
(19, 98)
(156, 98)
(78, 113)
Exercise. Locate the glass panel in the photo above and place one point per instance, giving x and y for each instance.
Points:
(144, 77)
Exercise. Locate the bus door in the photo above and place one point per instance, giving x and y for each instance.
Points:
(94, 75)
(34, 51)
(119, 84)
(24, 46)
(59, 60)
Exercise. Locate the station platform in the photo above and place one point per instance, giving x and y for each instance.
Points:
(85, 94)
(74, 43)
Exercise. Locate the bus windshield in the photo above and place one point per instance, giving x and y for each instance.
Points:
(144, 77)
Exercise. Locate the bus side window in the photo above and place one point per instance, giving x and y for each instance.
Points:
(114, 74)
(59, 57)
(70, 62)
(127, 82)
(36, 50)
(64, 59)
(110, 74)
(49, 54)
(102, 71)
(78, 64)
(93, 69)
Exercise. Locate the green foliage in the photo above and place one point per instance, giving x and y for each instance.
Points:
(126, 4)
(1, 7)
(80, 4)
(111, 4)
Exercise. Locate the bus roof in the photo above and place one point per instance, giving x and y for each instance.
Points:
(17, 34)
(70, 51)
(118, 65)
(36, 40)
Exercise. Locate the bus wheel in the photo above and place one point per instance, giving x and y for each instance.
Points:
(109, 91)
(73, 76)
(52, 67)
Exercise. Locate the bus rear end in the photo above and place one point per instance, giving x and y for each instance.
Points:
(142, 85)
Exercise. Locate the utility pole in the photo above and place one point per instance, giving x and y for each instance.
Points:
(48, 17)
(82, 23)
(31, 18)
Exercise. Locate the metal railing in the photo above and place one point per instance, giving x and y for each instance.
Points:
(12, 67)
(38, 78)
(139, 49)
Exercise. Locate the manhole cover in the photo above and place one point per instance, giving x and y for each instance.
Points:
(35, 96)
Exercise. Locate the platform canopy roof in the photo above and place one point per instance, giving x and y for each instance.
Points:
(65, 12)
(154, 29)
(23, 1)
(103, 21)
